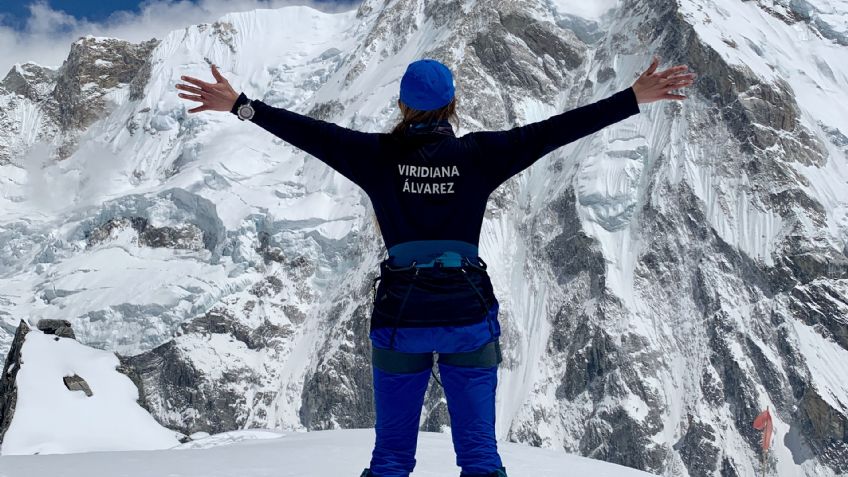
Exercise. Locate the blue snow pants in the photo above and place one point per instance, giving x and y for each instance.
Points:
(470, 394)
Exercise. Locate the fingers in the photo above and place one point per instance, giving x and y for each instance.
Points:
(190, 89)
(199, 109)
(679, 84)
(195, 81)
(676, 83)
(191, 97)
(217, 75)
(673, 96)
(684, 77)
(654, 63)
(670, 71)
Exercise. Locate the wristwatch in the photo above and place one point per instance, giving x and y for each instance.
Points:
(242, 108)
(245, 111)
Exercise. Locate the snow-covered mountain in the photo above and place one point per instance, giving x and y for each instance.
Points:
(661, 282)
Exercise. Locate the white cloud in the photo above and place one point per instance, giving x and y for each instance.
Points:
(47, 35)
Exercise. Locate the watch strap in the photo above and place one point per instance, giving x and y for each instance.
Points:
(242, 99)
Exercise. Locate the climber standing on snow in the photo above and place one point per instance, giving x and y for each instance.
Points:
(429, 190)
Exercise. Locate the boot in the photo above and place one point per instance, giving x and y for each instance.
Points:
(499, 472)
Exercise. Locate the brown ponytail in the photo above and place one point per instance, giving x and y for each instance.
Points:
(409, 116)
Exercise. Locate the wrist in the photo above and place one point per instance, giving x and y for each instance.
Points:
(635, 94)
(240, 100)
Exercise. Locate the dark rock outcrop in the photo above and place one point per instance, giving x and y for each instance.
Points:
(77, 383)
(30, 80)
(56, 327)
(95, 65)
(186, 236)
(8, 389)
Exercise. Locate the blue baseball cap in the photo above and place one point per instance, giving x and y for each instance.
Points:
(426, 85)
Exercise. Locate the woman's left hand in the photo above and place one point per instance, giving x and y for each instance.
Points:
(653, 86)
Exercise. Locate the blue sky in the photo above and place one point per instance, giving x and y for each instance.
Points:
(43, 30)
(14, 13)
(17, 11)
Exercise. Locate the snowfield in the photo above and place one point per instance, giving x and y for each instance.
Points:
(315, 454)
(49, 418)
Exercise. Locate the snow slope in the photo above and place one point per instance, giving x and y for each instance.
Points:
(295, 454)
(50, 419)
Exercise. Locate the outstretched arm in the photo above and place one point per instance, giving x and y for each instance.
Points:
(341, 148)
(506, 153)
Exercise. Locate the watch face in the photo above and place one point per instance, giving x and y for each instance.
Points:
(245, 111)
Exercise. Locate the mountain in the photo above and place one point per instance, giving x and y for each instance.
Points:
(661, 281)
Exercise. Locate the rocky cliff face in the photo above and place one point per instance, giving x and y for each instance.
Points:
(661, 282)
(41, 104)
(8, 391)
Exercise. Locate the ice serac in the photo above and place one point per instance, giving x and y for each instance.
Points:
(661, 281)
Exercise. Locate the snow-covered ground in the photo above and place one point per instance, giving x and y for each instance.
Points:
(73, 433)
(316, 454)
(49, 418)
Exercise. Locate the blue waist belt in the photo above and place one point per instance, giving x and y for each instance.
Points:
(430, 253)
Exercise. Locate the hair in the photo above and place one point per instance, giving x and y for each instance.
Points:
(410, 115)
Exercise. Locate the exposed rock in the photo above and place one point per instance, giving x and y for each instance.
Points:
(269, 252)
(76, 383)
(181, 394)
(186, 236)
(220, 321)
(8, 388)
(56, 327)
(545, 38)
(511, 64)
(698, 450)
(793, 11)
(572, 252)
(605, 74)
(325, 111)
(339, 392)
(827, 428)
(830, 310)
(94, 66)
(178, 395)
(30, 80)
(142, 76)
(225, 31)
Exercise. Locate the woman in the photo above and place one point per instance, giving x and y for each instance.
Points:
(429, 190)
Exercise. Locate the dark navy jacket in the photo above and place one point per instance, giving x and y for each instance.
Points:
(431, 185)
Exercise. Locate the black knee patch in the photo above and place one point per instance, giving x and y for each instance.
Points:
(486, 356)
(392, 361)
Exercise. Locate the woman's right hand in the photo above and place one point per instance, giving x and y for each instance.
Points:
(218, 96)
(654, 86)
